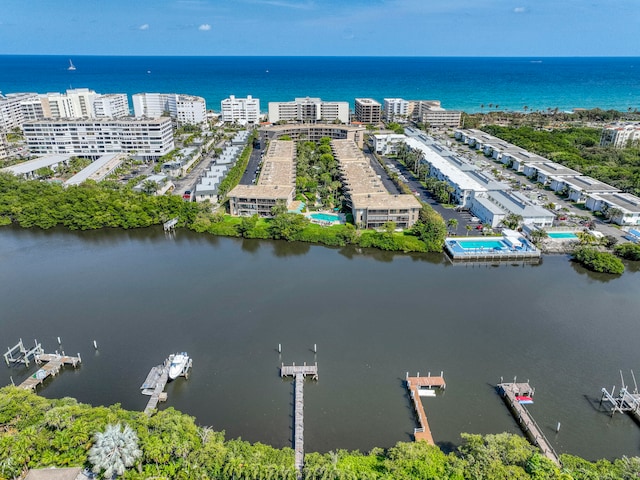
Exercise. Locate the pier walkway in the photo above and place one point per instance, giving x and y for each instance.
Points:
(158, 395)
(423, 387)
(156, 382)
(53, 364)
(511, 393)
(299, 372)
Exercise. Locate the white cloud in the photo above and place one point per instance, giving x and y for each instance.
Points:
(519, 10)
(205, 27)
(144, 26)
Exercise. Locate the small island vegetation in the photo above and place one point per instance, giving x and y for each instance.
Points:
(37, 432)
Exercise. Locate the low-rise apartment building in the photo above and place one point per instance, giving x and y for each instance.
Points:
(146, 139)
(371, 204)
(276, 184)
(623, 208)
(314, 132)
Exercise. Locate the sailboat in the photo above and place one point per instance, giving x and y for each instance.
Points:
(71, 66)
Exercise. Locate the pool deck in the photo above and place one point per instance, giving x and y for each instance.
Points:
(457, 252)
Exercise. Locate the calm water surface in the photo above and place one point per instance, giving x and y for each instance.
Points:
(374, 316)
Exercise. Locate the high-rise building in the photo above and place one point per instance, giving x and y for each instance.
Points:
(395, 109)
(185, 109)
(11, 115)
(75, 103)
(309, 110)
(113, 105)
(430, 112)
(146, 139)
(241, 110)
(368, 110)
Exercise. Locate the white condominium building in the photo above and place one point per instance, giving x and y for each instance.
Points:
(11, 115)
(146, 139)
(240, 110)
(395, 109)
(185, 109)
(620, 135)
(4, 150)
(309, 109)
(114, 105)
(32, 109)
(76, 103)
(430, 111)
(368, 110)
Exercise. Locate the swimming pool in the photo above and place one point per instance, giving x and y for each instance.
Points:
(325, 217)
(562, 235)
(481, 244)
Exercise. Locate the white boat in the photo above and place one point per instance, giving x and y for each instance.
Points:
(71, 66)
(179, 364)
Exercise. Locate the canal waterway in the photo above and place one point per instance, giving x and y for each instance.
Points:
(373, 315)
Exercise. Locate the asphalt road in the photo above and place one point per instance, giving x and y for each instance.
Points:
(426, 197)
(254, 163)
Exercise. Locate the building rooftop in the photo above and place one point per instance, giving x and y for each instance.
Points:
(361, 182)
(446, 167)
(33, 165)
(94, 167)
(518, 204)
(588, 184)
(278, 164)
(272, 192)
(554, 169)
(624, 201)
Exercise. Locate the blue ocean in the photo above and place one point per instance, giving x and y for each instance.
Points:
(470, 84)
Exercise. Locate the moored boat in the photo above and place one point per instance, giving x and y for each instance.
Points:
(179, 364)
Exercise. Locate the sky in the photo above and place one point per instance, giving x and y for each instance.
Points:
(321, 27)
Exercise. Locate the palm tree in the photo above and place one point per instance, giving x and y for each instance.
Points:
(149, 187)
(114, 450)
(512, 221)
(452, 224)
(469, 228)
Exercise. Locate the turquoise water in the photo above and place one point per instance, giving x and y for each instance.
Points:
(477, 244)
(562, 235)
(325, 217)
(470, 84)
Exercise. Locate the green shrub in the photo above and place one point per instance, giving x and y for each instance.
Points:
(597, 261)
(628, 251)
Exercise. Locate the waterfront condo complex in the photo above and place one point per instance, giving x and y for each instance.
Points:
(147, 139)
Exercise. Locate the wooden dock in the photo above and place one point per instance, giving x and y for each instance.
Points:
(509, 392)
(157, 380)
(418, 387)
(158, 395)
(53, 363)
(299, 373)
